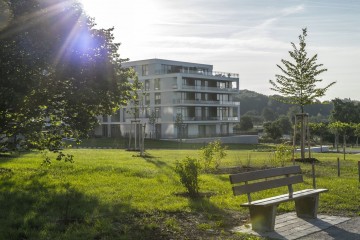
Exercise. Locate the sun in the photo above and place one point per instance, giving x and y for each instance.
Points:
(136, 22)
(124, 14)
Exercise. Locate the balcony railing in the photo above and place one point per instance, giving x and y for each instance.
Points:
(201, 118)
(199, 72)
(216, 89)
(205, 102)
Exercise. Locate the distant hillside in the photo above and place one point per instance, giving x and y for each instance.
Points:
(253, 103)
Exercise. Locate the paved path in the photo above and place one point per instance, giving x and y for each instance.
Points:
(348, 230)
(289, 227)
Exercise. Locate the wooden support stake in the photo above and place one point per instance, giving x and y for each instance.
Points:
(338, 166)
(359, 169)
(313, 174)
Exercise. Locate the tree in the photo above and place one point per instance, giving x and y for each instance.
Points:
(273, 130)
(297, 85)
(268, 114)
(285, 124)
(136, 98)
(152, 121)
(318, 129)
(245, 123)
(340, 128)
(345, 111)
(356, 128)
(58, 72)
(179, 124)
(212, 154)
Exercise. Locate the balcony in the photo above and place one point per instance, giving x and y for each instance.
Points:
(207, 118)
(199, 72)
(210, 89)
(205, 102)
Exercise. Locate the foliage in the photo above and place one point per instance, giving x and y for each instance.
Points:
(345, 111)
(212, 154)
(297, 85)
(299, 79)
(245, 123)
(284, 124)
(340, 128)
(152, 121)
(282, 154)
(272, 130)
(188, 170)
(276, 129)
(179, 121)
(58, 72)
(136, 97)
(262, 108)
(268, 114)
(319, 130)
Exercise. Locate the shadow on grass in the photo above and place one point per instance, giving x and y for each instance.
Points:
(35, 209)
(214, 216)
(7, 157)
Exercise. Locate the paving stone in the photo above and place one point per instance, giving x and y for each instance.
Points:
(289, 226)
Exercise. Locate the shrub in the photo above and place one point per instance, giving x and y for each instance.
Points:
(282, 154)
(212, 154)
(188, 170)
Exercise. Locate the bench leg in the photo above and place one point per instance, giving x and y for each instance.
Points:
(263, 218)
(307, 207)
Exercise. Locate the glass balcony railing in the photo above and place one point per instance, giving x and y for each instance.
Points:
(204, 118)
(205, 102)
(199, 72)
(214, 89)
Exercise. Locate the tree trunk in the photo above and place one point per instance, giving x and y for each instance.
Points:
(302, 143)
(344, 144)
(302, 135)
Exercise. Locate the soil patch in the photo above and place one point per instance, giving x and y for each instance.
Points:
(238, 169)
(307, 160)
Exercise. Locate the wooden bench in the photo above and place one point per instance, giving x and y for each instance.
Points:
(262, 212)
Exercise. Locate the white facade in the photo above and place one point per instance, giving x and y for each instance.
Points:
(202, 96)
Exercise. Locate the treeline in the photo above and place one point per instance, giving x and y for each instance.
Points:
(262, 108)
(327, 120)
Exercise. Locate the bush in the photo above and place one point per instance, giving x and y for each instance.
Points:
(212, 154)
(188, 170)
(282, 154)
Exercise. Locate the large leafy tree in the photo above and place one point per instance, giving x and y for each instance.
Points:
(58, 72)
(298, 82)
(345, 111)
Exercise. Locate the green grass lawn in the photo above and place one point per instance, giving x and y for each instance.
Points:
(115, 194)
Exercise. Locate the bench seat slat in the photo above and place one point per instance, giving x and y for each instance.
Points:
(272, 183)
(284, 198)
(268, 173)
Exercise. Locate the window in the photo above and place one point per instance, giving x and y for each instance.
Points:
(221, 85)
(145, 70)
(157, 98)
(147, 85)
(157, 112)
(116, 117)
(147, 112)
(197, 96)
(157, 84)
(147, 99)
(222, 97)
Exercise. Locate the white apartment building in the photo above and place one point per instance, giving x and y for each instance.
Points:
(202, 96)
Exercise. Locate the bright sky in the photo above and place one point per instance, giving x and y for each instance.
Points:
(240, 36)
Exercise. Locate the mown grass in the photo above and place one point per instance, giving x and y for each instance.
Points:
(115, 194)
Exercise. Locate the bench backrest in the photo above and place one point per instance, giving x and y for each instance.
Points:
(256, 181)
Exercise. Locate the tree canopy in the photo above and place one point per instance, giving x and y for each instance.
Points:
(345, 111)
(297, 84)
(58, 72)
